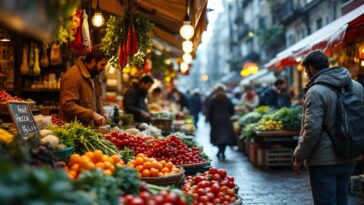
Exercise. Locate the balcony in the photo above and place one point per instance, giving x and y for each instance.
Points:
(287, 11)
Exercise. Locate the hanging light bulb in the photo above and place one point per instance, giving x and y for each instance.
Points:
(187, 46)
(98, 19)
(184, 67)
(187, 58)
(187, 30)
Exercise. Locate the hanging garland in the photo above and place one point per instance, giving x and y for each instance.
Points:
(120, 42)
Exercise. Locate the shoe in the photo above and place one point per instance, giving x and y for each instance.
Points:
(218, 155)
(223, 156)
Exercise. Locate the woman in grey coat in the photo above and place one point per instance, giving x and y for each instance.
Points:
(219, 111)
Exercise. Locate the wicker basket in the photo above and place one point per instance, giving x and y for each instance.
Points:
(170, 180)
(239, 200)
(191, 169)
(236, 188)
(63, 154)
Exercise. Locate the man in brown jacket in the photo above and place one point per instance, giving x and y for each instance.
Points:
(79, 91)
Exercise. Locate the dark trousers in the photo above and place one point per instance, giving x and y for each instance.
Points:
(221, 148)
(330, 183)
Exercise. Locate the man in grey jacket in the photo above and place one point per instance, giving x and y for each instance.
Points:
(329, 173)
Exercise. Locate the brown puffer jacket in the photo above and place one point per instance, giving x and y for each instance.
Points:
(79, 95)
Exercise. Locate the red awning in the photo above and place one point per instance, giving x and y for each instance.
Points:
(343, 30)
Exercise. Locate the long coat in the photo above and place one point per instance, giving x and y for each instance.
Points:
(134, 102)
(219, 111)
(79, 96)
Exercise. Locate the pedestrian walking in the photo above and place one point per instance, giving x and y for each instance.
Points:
(220, 109)
(195, 106)
(329, 172)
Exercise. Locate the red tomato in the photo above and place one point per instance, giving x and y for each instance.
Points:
(213, 170)
(222, 173)
(215, 188)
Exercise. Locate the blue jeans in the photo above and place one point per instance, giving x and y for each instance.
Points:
(330, 183)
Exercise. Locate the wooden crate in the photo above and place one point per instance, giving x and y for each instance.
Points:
(253, 147)
(281, 157)
(246, 150)
(241, 144)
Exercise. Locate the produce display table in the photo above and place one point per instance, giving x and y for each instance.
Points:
(275, 148)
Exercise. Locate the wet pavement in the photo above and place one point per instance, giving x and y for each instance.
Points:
(257, 186)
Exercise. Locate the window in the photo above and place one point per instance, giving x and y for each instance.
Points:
(318, 23)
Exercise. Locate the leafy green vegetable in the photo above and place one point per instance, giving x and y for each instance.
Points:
(128, 180)
(249, 118)
(290, 117)
(263, 109)
(104, 189)
(127, 154)
(248, 131)
(27, 185)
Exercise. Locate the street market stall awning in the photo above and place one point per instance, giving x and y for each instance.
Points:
(231, 78)
(343, 29)
(262, 76)
(167, 16)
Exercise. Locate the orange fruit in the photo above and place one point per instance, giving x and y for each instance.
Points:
(165, 170)
(72, 173)
(131, 164)
(97, 156)
(163, 162)
(90, 165)
(169, 165)
(116, 158)
(146, 173)
(107, 172)
(84, 162)
(160, 174)
(107, 165)
(159, 166)
(140, 155)
(154, 172)
(75, 158)
(105, 158)
(139, 168)
(100, 165)
(89, 155)
(112, 169)
(76, 167)
(154, 164)
(119, 164)
(147, 165)
(139, 161)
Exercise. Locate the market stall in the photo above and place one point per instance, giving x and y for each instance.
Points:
(269, 136)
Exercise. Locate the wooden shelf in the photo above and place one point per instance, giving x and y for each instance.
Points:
(277, 133)
(40, 90)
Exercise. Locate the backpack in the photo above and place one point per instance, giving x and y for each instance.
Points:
(348, 140)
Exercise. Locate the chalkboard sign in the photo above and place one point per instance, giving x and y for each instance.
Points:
(23, 118)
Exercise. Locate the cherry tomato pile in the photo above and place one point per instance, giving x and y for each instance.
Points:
(145, 198)
(137, 143)
(56, 121)
(174, 150)
(171, 149)
(211, 187)
(5, 97)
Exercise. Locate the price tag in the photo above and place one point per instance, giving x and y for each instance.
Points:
(23, 118)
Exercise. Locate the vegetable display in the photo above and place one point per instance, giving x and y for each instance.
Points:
(249, 131)
(290, 118)
(249, 118)
(84, 139)
(213, 186)
(268, 123)
(6, 97)
(150, 167)
(171, 149)
(92, 160)
(146, 198)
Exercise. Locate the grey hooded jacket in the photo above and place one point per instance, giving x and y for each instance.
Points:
(314, 145)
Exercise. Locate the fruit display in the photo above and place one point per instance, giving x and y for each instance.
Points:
(150, 167)
(267, 123)
(6, 136)
(171, 149)
(211, 187)
(84, 139)
(43, 155)
(146, 198)
(57, 122)
(92, 160)
(6, 97)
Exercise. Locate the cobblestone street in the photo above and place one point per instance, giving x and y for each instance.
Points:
(261, 187)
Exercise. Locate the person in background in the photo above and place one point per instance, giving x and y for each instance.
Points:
(329, 173)
(135, 97)
(155, 96)
(249, 99)
(219, 112)
(79, 96)
(277, 95)
(181, 100)
(195, 106)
